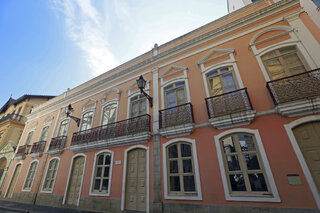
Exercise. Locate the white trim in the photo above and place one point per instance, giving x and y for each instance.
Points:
(155, 91)
(20, 163)
(299, 154)
(44, 126)
(125, 175)
(269, 29)
(136, 93)
(93, 171)
(107, 103)
(105, 94)
(68, 180)
(196, 171)
(87, 102)
(275, 196)
(35, 173)
(180, 69)
(50, 191)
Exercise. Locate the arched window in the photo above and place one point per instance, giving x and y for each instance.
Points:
(109, 114)
(51, 175)
(30, 176)
(86, 121)
(244, 169)
(138, 105)
(63, 128)
(44, 133)
(221, 81)
(102, 173)
(175, 94)
(283, 62)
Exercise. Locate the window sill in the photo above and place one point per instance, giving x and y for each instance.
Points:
(300, 107)
(182, 197)
(233, 120)
(253, 198)
(177, 131)
(99, 194)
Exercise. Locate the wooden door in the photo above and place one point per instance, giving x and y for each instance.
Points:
(13, 181)
(136, 180)
(308, 138)
(73, 192)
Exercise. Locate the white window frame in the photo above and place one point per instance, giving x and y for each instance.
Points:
(44, 126)
(30, 143)
(84, 112)
(107, 104)
(7, 190)
(93, 174)
(68, 180)
(197, 182)
(293, 41)
(289, 129)
(275, 196)
(34, 176)
(136, 93)
(67, 128)
(55, 178)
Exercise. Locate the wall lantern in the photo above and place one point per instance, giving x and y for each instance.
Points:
(141, 85)
(69, 110)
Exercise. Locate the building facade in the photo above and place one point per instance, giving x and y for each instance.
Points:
(234, 125)
(12, 120)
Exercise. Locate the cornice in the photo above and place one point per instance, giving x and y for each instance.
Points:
(218, 32)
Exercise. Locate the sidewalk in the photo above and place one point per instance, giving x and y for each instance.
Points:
(14, 207)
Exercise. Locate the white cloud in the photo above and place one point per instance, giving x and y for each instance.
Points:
(88, 30)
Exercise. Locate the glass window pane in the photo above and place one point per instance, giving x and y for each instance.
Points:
(215, 86)
(97, 184)
(188, 184)
(100, 159)
(228, 145)
(233, 163)
(246, 143)
(185, 150)
(106, 171)
(252, 161)
(142, 107)
(224, 69)
(173, 167)
(269, 55)
(99, 171)
(173, 151)
(257, 182)
(228, 82)
(287, 49)
(174, 183)
(237, 182)
(105, 184)
(181, 99)
(168, 87)
(212, 73)
(187, 166)
(170, 99)
(179, 84)
(108, 159)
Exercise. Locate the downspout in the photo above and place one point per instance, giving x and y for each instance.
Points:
(45, 161)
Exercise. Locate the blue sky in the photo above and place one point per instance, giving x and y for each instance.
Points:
(47, 46)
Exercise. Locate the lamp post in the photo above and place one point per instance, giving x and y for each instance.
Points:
(69, 110)
(141, 85)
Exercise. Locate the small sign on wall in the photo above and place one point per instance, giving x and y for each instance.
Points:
(118, 162)
(294, 179)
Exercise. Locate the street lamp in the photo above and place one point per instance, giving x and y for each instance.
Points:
(69, 110)
(141, 85)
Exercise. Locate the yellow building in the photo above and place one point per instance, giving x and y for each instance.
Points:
(12, 121)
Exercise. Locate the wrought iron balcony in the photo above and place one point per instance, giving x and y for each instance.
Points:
(14, 117)
(228, 103)
(22, 151)
(57, 143)
(296, 87)
(38, 147)
(175, 116)
(127, 127)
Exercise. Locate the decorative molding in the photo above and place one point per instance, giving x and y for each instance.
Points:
(48, 119)
(178, 70)
(105, 94)
(89, 104)
(177, 131)
(112, 142)
(233, 120)
(300, 107)
(206, 58)
(55, 178)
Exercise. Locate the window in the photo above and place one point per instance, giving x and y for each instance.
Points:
(86, 121)
(175, 94)
(109, 114)
(138, 106)
(180, 169)
(50, 175)
(63, 128)
(44, 133)
(317, 3)
(29, 137)
(102, 173)
(30, 176)
(243, 166)
(221, 81)
(284, 62)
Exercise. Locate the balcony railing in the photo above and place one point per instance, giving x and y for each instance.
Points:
(38, 147)
(175, 116)
(121, 128)
(14, 117)
(57, 143)
(295, 87)
(228, 103)
(22, 150)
